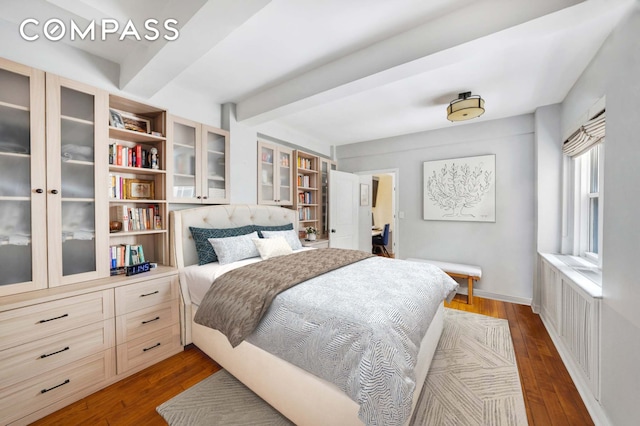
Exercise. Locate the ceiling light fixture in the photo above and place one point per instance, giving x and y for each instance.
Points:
(465, 107)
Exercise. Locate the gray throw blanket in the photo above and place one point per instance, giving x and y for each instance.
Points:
(237, 301)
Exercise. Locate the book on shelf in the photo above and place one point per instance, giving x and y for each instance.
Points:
(305, 213)
(305, 163)
(305, 197)
(137, 218)
(138, 156)
(123, 255)
(304, 181)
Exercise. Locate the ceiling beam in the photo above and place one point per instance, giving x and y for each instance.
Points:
(406, 54)
(150, 68)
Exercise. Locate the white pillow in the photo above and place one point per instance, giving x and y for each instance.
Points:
(272, 247)
(291, 236)
(232, 249)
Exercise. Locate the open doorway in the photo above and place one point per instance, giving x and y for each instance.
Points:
(383, 206)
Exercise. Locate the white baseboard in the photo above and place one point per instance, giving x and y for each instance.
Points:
(496, 296)
(593, 406)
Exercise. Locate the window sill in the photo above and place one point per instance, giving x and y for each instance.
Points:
(583, 273)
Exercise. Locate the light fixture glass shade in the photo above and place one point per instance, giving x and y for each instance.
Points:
(465, 107)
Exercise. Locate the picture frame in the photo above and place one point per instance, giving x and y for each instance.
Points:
(460, 189)
(364, 194)
(140, 189)
(115, 119)
(134, 122)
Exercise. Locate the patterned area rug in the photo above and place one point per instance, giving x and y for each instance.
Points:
(473, 380)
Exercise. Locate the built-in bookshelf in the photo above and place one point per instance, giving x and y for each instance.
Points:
(307, 193)
(137, 182)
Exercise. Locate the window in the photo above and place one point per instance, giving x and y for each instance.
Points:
(589, 211)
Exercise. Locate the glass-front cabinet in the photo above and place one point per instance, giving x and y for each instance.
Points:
(274, 174)
(77, 203)
(23, 251)
(199, 169)
(52, 179)
(325, 166)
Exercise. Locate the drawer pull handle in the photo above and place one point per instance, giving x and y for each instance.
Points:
(53, 353)
(151, 347)
(151, 320)
(52, 319)
(61, 384)
(150, 294)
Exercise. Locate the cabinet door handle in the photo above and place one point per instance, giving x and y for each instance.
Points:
(39, 190)
(151, 320)
(57, 386)
(53, 319)
(151, 347)
(53, 353)
(54, 191)
(150, 294)
(198, 197)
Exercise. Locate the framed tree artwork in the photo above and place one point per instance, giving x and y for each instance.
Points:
(460, 189)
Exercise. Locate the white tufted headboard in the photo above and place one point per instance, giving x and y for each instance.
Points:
(183, 249)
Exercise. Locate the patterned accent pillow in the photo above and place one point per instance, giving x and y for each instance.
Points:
(261, 228)
(232, 249)
(272, 247)
(206, 253)
(291, 236)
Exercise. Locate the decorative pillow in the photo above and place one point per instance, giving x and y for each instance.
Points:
(291, 236)
(261, 228)
(272, 247)
(232, 249)
(206, 253)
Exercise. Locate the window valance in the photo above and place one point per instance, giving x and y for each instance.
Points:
(586, 137)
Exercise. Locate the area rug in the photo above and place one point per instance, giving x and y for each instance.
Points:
(473, 380)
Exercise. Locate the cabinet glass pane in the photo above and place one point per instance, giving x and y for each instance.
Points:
(184, 135)
(324, 177)
(184, 186)
(215, 156)
(78, 237)
(284, 162)
(14, 88)
(15, 241)
(216, 185)
(77, 140)
(267, 179)
(15, 178)
(77, 180)
(76, 104)
(184, 160)
(15, 135)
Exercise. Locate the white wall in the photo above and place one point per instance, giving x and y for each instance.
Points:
(614, 73)
(548, 186)
(504, 249)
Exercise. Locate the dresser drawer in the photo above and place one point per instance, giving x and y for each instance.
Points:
(34, 394)
(32, 359)
(149, 349)
(35, 322)
(136, 324)
(142, 295)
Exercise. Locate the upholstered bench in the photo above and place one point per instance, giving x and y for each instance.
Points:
(457, 270)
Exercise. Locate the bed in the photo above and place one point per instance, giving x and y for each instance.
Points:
(301, 396)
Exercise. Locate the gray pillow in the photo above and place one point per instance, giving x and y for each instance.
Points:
(291, 236)
(232, 249)
(261, 228)
(206, 252)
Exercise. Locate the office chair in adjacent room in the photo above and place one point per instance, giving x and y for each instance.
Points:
(380, 241)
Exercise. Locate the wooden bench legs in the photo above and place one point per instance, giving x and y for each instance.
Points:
(470, 280)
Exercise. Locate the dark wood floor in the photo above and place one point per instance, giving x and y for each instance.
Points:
(550, 395)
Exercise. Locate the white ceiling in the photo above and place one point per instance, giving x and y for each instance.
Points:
(343, 71)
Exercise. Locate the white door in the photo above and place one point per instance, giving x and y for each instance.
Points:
(344, 197)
